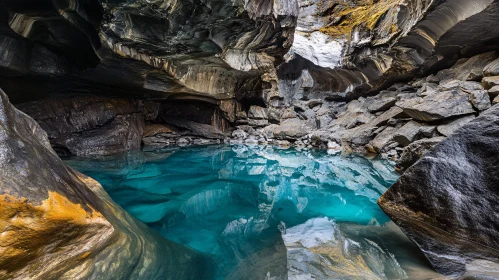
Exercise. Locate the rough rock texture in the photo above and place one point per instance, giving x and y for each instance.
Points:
(446, 202)
(210, 49)
(59, 224)
(344, 48)
(415, 151)
(87, 125)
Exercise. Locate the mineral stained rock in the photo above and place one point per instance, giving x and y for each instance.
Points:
(161, 49)
(447, 202)
(59, 224)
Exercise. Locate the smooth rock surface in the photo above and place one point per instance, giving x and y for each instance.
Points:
(59, 224)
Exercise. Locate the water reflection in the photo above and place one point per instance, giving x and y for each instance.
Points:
(253, 209)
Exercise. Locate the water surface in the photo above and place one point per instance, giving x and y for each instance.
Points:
(265, 212)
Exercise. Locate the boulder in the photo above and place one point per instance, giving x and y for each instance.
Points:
(57, 223)
(257, 123)
(480, 99)
(383, 139)
(153, 129)
(468, 69)
(449, 127)
(382, 104)
(447, 202)
(493, 91)
(490, 82)
(363, 134)
(290, 129)
(415, 151)
(438, 106)
(257, 112)
(491, 69)
(407, 133)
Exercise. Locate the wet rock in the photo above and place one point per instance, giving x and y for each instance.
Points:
(239, 134)
(438, 106)
(319, 249)
(415, 151)
(407, 133)
(444, 202)
(448, 128)
(69, 223)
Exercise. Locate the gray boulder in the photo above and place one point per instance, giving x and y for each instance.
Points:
(290, 129)
(449, 127)
(468, 69)
(407, 133)
(382, 140)
(447, 202)
(438, 106)
(257, 112)
(415, 151)
(382, 104)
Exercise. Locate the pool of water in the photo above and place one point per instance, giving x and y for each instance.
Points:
(265, 212)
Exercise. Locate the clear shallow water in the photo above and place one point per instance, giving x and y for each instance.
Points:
(264, 212)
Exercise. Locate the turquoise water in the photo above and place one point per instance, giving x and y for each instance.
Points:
(237, 202)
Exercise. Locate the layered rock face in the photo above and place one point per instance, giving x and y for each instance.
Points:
(447, 201)
(163, 49)
(59, 224)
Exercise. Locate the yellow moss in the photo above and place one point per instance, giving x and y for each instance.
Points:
(356, 267)
(365, 14)
(29, 233)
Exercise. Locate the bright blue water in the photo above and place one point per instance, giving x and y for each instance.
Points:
(228, 201)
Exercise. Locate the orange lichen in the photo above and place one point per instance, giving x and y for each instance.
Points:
(364, 14)
(355, 266)
(55, 230)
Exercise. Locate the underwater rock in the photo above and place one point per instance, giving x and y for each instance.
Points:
(444, 202)
(58, 223)
(318, 249)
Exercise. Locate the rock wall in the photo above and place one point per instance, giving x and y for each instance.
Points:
(401, 122)
(59, 224)
(447, 202)
(161, 49)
